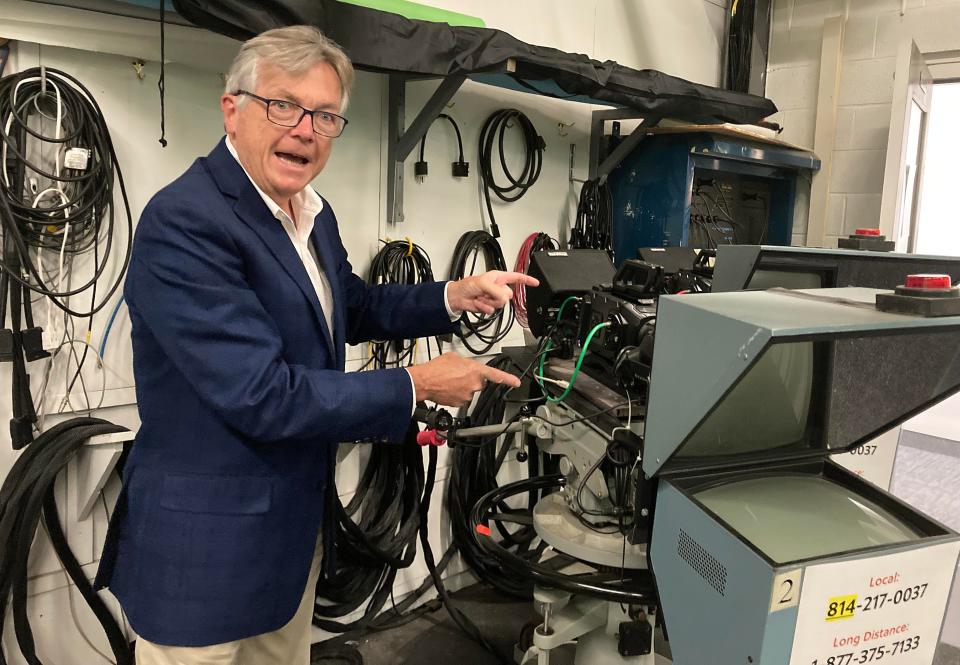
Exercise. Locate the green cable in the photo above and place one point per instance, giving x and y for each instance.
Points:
(576, 370)
(564, 304)
(549, 346)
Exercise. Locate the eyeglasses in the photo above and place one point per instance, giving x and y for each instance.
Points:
(287, 114)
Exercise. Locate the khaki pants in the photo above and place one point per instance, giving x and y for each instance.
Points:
(288, 645)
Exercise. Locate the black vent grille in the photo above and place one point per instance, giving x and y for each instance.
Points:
(714, 572)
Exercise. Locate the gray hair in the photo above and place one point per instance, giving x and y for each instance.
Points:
(294, 49)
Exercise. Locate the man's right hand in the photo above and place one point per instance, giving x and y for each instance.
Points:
(451, 380)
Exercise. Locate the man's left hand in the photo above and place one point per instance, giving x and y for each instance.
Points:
(485, 293)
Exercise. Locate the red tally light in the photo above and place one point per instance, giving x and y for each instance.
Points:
(483, 529)
(867, 232)
(928, 282)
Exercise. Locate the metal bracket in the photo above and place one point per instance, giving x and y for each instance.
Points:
(402, 141)
(573, 161)
(95, 460)
(581, 616)
(601, 169)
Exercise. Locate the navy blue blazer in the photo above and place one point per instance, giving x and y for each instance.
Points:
(242, 397)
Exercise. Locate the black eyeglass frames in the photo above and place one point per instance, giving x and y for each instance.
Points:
(288, 114)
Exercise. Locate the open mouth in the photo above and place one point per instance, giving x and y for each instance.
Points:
(290, 158)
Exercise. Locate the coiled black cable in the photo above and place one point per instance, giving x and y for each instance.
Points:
(376, 536)
(637, 588)
(488, 329)
(26, 493)
(493, 131)
(49, 117)
(75, 210)
(473, 473)
(382, 541)
(377, 529)
(399, 262)
(592, 227)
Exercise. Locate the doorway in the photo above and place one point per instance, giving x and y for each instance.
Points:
(938, 229)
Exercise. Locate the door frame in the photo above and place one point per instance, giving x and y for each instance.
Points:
(913, 85)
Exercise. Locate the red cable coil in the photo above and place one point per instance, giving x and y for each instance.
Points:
(520, 291)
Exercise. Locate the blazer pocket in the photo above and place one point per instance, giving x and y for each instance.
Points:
(218, 495)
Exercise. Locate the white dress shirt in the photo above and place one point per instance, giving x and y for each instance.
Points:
(307, 204)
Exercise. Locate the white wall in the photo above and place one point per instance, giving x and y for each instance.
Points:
(872, 33)
(681, 38)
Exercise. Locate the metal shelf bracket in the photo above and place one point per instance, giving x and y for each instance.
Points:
(401, 140)
(601, 169)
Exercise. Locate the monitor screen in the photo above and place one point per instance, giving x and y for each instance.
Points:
(801, 398)
(790, 517)
(768, 408)
(769, 278)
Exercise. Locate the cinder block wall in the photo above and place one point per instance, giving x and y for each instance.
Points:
(873, 31)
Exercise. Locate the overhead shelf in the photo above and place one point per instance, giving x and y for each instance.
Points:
(389, 43)
(411, 49)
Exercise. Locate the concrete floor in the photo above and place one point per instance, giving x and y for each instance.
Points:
(947, 655)
(926, 475)
(434, 639)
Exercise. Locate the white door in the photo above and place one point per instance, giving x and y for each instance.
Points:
(912, 90)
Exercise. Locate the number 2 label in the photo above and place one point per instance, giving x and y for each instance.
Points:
(786, 590)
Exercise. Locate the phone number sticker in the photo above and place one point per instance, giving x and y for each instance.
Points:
(887, 608)
(873, 654)
(841, 607)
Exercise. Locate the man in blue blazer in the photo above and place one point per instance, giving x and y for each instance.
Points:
(242, 299)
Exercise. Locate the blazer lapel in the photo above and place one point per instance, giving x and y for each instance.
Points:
(321, 243)
(251, 209)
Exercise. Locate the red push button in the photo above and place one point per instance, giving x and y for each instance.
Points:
(867, 232)
(928, 282)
